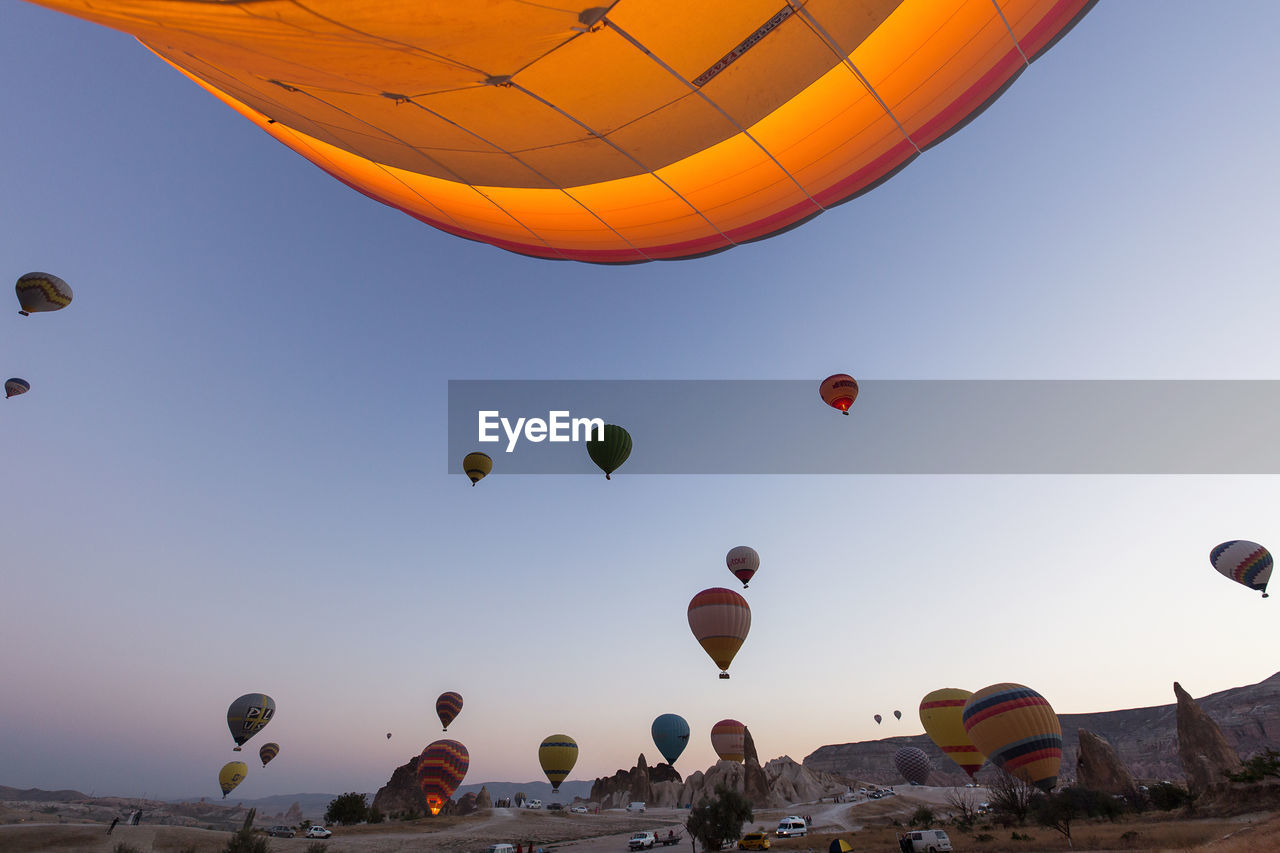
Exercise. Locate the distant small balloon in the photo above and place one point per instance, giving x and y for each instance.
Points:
(477, 465)
(839, 391)
(744, 562)
(610, 452)
(448, 706)
(14, 387)
(388, 735)
(40, 291)
(729, 740)
(268, 752)
(878, 719)
(897, 714)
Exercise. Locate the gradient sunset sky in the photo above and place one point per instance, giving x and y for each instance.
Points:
(228, 476)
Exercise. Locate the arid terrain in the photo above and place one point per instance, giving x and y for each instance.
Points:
(866, 825)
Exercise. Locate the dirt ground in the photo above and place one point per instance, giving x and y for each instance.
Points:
(866, 825)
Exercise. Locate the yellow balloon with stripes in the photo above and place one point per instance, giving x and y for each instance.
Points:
(557, 754)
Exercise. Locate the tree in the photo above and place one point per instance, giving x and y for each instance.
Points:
(923, 816)
(347, 809)
(1258, 767)
(1011, 798)
(964, 809)
(1056, 811)
(717, 822)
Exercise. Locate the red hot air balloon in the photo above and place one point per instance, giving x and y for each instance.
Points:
(728, 739)
(447, 707)
(720, 619)
(441, 769)
(839, 391)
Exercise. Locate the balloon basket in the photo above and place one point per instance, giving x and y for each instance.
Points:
(724, 675)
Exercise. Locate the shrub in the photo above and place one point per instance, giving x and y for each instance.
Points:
(1019, 836)
(984, 836)
(923, 816)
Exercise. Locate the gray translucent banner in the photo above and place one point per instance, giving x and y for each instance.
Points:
(895, 427)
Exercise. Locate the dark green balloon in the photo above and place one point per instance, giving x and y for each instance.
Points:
(611, 452)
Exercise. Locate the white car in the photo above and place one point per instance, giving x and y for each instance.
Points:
(635, 807)
(579, 809)
(642, 840)
(317, 832)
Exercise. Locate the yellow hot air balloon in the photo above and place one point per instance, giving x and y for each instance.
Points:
(628, 131)
(720, 620)
(231, 775)
(557, 754)
(941, 714)
(1018, 729)
(477, 465)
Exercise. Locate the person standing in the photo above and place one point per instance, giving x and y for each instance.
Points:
(114, 821)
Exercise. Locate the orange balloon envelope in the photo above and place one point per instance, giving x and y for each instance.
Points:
(720, 619)
(1018, 730)
(941, 714)
(629, 131)
(441, 769)
(839, 391)
(729, 739)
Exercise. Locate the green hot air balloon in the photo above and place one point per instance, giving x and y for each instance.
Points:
(610, 452)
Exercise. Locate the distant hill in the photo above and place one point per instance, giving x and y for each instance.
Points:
(1145, 738)
(35, 795)
(532, 790)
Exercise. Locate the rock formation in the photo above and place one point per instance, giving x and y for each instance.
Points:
(401, 794)
(293, 816)
(1099, 768)
(466, 805)
(1145, 739)
(1206, 754)
(755, 784)
(483, 800)
(640, 783)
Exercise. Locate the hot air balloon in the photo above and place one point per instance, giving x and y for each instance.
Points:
(447, 707)
(671, 735)
(1015, 726)
(720, 619)
(839, 391)
(268, 752)
(40, 291)
(441, 768)
(611, 451)
(913, 764)
(388, 735)
(477, 465)
(897, 715)
(878, 718)
(557, 754)
(248, 715)
(1245, 562)
(616, 134)
(14, 387)
(941, 714)
(231, 775)
(729, 739)
(743, 562)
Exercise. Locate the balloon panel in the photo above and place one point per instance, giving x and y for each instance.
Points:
(662, 130)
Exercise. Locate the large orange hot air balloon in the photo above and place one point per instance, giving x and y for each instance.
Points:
(629, 131)
(441, 769)
(720, 619)
(729, 739)
(942, 715)
(1018, 730)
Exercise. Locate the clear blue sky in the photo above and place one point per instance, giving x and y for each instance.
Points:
(227, 476)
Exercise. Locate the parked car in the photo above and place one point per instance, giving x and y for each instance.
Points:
(579, 809)
(929, 841)
(533, 804)
(641, 840)
(754, 841)
(635, 807)
(281, 832)
(555, 807)
(792, 827)
(317, 832)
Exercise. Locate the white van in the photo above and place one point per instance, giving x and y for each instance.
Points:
(635, 807)
(500, 848)
(792, 827)
(929, 841)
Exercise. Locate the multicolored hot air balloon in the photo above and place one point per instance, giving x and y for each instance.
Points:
(743, 561)
(942, 715)
(878, 718)
(1015, 726)
(611, 451)
(477, 466)
(448, 705)
(913, 763)
(557, 754)
(720, 620)
(671, 735)
(40, 291)
(1245, 562)
(616, 133)
(268, 752)
(729, 740)
(441, 768)
(897, 715)
(231, 775)
(248, 715)
(14, 387)
(839, 391)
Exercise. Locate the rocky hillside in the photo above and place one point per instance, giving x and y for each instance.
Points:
(1146, 739)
